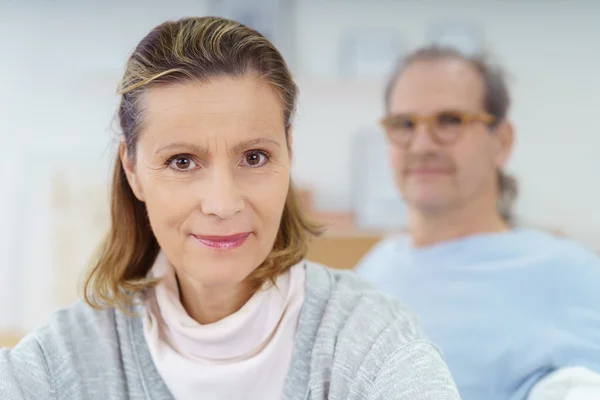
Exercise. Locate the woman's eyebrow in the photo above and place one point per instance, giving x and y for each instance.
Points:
(249, 144)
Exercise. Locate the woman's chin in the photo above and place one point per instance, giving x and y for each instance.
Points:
(218, 273)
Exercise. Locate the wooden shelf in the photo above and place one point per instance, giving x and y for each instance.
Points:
(9, 339)
(342, 250)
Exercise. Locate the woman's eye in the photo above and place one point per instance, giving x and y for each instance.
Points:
(255, 159)
(182, 163)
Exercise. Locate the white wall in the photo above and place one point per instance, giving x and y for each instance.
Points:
(551, 51)
(61, 60)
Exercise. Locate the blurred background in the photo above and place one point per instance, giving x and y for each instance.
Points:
(60, 61)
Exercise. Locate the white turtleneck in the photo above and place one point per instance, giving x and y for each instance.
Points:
(243, 356)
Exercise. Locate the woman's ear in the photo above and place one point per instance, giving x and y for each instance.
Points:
(290, 140)
(129, 168)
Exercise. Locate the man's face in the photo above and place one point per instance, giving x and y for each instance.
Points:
(432, 176)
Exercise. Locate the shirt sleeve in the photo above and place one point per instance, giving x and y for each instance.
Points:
(414, 372)
(24, 372)
(576, 349)
(577, 336)
(572, 383)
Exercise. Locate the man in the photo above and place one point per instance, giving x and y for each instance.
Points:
(515, 312)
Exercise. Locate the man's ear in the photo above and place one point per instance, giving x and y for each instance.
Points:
(129, 168)
(505, 135)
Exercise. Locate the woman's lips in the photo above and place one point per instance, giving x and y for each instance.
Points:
(223, 242)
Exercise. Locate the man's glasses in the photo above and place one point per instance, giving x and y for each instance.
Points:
(445, 127)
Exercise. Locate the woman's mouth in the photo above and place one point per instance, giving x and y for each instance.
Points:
(223, 242)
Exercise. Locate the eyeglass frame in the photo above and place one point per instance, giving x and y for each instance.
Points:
(430, 120)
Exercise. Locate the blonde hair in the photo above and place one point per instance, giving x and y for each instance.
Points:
(190, 49)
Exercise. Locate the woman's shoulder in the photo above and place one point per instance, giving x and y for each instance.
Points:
(78, 327)
(75, 342)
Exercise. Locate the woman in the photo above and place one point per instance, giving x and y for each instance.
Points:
(200, 289)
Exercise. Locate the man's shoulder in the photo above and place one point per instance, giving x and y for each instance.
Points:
(362, 312)
(394, 243)
(565, 253)
(551, 240)
(384, 258)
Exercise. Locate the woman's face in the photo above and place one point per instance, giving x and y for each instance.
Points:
(212, 166)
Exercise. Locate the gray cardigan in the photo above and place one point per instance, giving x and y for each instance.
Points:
(351, 343)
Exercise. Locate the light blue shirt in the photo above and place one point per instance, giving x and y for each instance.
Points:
(505, 309)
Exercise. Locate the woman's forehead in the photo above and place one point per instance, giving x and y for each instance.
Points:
(245, 96)
(234, 110)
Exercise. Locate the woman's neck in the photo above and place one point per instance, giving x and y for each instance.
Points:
(207, 305)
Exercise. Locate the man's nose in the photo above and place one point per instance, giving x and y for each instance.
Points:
(423, 140)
